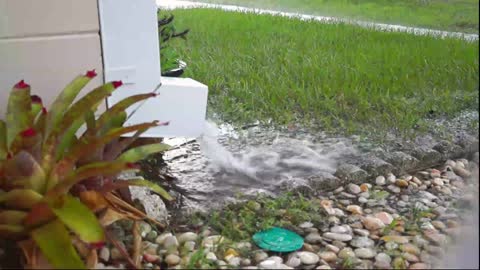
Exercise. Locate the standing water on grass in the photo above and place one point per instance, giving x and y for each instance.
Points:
(224, 162)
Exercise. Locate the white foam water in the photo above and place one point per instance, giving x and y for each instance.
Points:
(284, 157)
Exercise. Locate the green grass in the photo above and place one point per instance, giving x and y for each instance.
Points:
(453, 15)
(241, 220)
(339, 76)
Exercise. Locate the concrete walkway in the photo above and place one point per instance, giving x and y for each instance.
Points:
(174, 4)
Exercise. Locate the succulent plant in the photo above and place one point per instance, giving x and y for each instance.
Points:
(44, 157)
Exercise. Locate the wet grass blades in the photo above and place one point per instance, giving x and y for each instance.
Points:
(240, 221)
(341, 77)
(453, 15)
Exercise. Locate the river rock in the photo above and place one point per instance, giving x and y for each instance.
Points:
(362, 242)
(338, 236)
(152, 203)
(402, 183)
(260, 256)
(277, 259)
(410, 257)
(354, 209)
(436, 238)
(354, 189)
(449, 149)
(351, 173)
(245, 262)
(211, 256)
(268, 264)
(332, 248)
(361, 232)
(383, 258)
(372, 223)
(410, 248)
(104, 254)
(308, 257)
(341, 229)
(380, 180)
(234, 261)
(385, 217)
(394, 189)
(328, 256)
(161, 238)
(399, 263)
(324, 181)
(172, 259)
(306, 225)
(439, 225)
(462, 172)
(425, 154)
(170, 242)
(401, 161)
(375, 165)
(346, 253)
(399, 239)
(293, 260)
(188, 236)
(212, 241)
(365, 253)
(313, 238)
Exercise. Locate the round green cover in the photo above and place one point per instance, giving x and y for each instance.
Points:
(278, 240)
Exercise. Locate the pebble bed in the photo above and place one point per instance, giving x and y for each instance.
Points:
(385, 222)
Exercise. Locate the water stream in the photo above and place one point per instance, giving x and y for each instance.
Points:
(223, 161)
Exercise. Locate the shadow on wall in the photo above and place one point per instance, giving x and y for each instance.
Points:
(464, 254)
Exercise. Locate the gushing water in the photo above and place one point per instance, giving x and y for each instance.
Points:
(223, 162)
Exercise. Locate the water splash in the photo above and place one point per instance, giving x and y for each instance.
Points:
(225, 160)
(283, 157)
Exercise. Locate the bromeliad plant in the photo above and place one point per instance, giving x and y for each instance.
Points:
(58, 190)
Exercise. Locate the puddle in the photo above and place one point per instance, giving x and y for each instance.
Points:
(258, 159)
(224, 162)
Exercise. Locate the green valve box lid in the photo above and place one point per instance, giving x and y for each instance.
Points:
(278, 240)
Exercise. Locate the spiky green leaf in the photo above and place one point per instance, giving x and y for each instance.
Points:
(75, 112)
(154, 187)
(141, 152)
(20, 198)
(64, 100)
(68, 139)
(84, 172)
(12, 217)
(83, 148)
(18, 112)
(28, 172)
(114, 122)
(121, 106)
(76, 216)
(55, 242)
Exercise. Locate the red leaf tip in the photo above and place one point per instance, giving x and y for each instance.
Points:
(91, 74)
(29, 132)
(36, 99)
(97, 245)
(9, 155)
(21, 85)
(44, 110)
(131, 165)
(117, 84)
